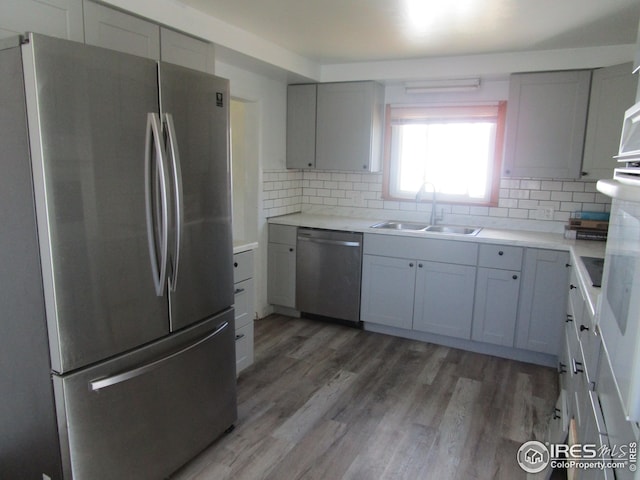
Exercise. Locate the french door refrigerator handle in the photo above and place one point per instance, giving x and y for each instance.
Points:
(149, 367)
(178, 203)
(154, 143)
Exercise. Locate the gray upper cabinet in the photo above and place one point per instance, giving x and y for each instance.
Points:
(56, 18)
(186, 51)
(301, 126)
(108, 28)
(335, 126)
(546, 122)
(613, 90)
(349, 126)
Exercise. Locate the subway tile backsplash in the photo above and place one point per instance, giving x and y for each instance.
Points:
(520, 203)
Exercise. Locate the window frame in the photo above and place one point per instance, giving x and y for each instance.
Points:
(413, 111)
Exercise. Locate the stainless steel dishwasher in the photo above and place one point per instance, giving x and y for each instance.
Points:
(328, 271)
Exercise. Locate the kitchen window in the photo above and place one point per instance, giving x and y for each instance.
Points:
(457, 149)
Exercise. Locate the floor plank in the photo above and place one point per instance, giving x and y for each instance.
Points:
(325, 401)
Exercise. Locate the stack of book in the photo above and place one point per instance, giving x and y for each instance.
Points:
(587, 226)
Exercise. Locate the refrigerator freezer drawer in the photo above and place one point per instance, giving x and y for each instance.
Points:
(145, 414)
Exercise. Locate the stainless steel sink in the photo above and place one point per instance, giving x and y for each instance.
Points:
(453, 229)
(423, 227)
(397, 225)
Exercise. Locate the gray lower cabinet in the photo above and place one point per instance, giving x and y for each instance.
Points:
(444, 299)
(388, 286)
(496, 306)
(429, 290)
(244, 308)
(281, 253)
(543, 297)
(495, 309)
(418, 295)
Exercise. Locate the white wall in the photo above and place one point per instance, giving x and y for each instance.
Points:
(268, 99)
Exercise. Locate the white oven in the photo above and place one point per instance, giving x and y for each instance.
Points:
(619, 318)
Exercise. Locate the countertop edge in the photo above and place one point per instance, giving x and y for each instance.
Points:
(242, 246)
(522, 238)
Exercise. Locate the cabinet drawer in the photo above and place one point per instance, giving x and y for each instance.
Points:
(244, 347)
(242, 266)
(243, 302)
(283, 234)
(500, 256)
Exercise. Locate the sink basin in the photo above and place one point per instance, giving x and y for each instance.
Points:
(453, 229)
(396, 225)
(423, 227)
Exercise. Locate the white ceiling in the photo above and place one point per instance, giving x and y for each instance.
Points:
(342, 31)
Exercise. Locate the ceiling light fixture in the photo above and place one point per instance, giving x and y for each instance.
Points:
(445, 85)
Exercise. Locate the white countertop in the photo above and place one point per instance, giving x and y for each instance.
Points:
(522, 238)
(240, 246)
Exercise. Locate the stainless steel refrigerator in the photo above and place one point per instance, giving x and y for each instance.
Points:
(117, 339)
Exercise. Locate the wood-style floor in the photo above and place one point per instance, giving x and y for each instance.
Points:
(324, 401)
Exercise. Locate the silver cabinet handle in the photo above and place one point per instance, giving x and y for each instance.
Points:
(329, 242)
(154, 144)
(577, 367)
(239, 336)
(149, 367)
(238, 290)
(178, 201)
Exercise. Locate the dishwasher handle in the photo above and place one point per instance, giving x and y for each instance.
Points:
(325, 241)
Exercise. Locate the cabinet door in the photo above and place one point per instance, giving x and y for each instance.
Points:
(546, 120)
(388, 285)
(56, 18)
(244, 347)
(543, 299)
(301, 126)
(496, 306)
(281, 289)
(444, 299)
(613, 90)
(349, 126)
(243, 303)
(108, 28)
(186, 51)
(564, 363)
